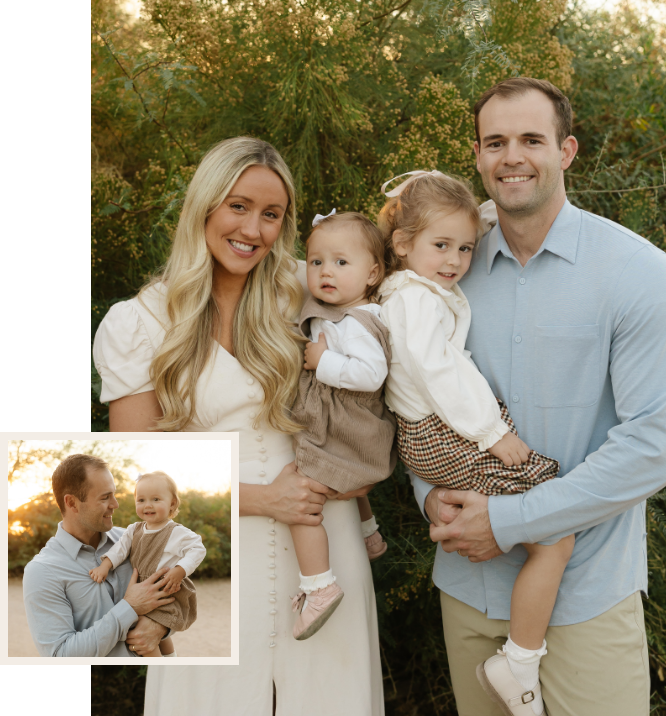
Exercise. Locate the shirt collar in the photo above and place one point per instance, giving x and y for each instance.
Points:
(561, 239)
(71, 545)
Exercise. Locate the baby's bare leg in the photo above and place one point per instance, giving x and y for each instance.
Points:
(311, 545)
(166, 646)
(364, 509)
(535, 591)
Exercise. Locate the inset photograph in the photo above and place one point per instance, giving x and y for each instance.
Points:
(121, 548)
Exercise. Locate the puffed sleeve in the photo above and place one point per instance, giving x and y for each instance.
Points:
(446, 379)
(123, 353)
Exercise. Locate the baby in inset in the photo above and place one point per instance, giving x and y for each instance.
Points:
(159, 542)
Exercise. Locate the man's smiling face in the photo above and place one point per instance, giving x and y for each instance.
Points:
(518, 155)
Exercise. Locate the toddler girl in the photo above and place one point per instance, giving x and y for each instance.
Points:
(159, 542)
(451, 429)
(348, 435)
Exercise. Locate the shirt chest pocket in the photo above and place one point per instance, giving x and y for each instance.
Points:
(567, 366)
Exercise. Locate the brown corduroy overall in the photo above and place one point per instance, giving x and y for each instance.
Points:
(347, 442)
(145, 556)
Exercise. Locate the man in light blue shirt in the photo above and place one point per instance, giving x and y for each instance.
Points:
(569, 329)
(68, 613)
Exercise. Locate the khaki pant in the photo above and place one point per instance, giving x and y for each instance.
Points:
(595, 668)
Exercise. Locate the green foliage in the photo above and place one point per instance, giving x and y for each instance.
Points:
(117, 690)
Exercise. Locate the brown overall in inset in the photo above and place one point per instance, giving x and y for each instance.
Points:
(145, 556)
(347, 442)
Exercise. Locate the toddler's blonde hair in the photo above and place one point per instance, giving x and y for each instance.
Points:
(416, 207)
(171, 483)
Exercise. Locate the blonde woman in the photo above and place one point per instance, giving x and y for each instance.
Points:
(210, 346)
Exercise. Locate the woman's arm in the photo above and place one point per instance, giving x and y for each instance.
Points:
(134, 413)
(291, 498)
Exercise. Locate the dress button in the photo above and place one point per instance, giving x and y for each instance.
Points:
(271, 532)
(522, 281)
(271, 520)
(262, 473)
(262, 449)
(259, 438)
(518, 339)
(271, 566)
(264, 482)
(251, 394)
(272, 644)
(515, 398)
(271, 554)
(273, 611)
(272, 600)
(250, 381)
(263, 458)
(273, 633)
(272, 593)
(272, 576)
(271, 541)
(253, 415)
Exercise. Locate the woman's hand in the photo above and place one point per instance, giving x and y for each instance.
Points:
(361, 492)
(292, 498)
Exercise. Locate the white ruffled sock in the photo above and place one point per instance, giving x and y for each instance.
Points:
(369, 527)
(524, 665)
(316, 581)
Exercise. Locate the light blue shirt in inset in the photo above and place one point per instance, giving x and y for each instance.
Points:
(575, 344)
(69, 614)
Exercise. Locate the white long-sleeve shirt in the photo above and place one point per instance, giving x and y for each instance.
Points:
(354, 359)
(184, 548)
(431, 372)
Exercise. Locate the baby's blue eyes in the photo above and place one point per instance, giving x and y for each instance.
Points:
(340, 262)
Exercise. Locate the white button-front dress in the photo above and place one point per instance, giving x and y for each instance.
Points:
(337, 672)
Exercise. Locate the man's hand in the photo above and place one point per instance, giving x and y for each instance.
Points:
(511, 450)
(146, 597)
(172, 580)
(469, 533)
(145, 636)
(294, 499)
(314, 352)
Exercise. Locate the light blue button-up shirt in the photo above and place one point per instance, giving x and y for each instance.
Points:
(68, 613)
(575, 344)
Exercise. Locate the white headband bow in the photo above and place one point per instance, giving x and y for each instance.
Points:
(320, 217)
(412, 176)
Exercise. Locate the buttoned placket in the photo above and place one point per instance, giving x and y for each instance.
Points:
(272, 576)
(517, 390)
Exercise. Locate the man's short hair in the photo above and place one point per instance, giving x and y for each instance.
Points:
(517, 86)
(70, 477)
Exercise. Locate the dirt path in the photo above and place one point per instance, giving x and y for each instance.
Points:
(210, 635)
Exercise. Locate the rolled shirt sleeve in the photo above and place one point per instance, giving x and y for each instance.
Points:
(449, 382)
(51, 622)
(629, 466)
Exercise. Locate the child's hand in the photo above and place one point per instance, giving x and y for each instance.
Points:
(100, 573)
(511, 450)
(172, 579)
(314, 351)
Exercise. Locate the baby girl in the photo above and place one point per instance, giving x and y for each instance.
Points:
(159, 542)
(348, 435)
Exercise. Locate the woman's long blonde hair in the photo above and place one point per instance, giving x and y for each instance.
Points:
(264, 340)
